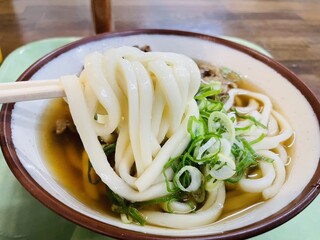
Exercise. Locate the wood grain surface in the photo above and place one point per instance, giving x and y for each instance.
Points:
(288, 29)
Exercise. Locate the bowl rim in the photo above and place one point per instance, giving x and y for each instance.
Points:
(292, 209)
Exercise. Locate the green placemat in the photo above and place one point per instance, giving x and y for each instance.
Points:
(23, 217)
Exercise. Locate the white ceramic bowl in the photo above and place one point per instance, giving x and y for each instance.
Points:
(20, 134)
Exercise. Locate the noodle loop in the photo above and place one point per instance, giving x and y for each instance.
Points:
(153, 108)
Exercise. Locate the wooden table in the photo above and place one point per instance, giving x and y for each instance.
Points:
(288, 29)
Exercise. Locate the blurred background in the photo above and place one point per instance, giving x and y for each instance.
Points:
(288, 29)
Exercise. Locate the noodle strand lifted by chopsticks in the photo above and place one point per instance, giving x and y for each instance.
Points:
(129, 106)
(152, 102)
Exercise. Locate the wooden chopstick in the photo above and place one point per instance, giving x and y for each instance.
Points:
(30, 90)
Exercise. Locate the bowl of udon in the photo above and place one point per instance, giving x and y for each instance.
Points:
(161, 134)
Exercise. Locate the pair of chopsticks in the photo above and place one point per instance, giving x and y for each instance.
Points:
(30, 90)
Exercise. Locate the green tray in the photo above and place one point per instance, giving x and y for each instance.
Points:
(23, 217)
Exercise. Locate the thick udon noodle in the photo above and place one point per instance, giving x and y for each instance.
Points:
(148, 98)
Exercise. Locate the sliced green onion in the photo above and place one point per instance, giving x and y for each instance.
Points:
(259, 139)
(205, 147)
(194, 177)
(196, 127)
(173, 206)
(219, 122)
(252, 119)
(207, 90)
(225, 169)
(122, 206)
